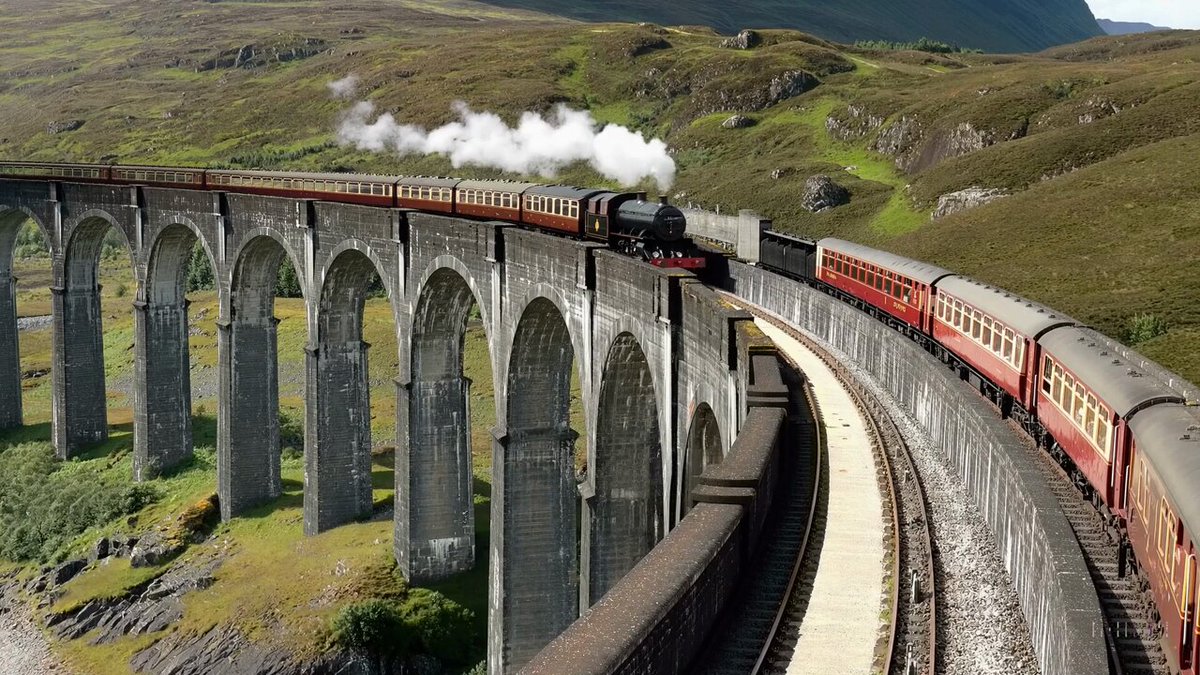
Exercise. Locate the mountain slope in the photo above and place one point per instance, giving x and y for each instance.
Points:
(991, 25)
(1127, 27)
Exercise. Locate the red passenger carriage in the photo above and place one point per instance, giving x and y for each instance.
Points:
(901, 287)
(995, 333)
(1086, 397)
(1163, 521)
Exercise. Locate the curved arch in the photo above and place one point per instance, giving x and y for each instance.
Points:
(256, 261)
(435, 516)
(704, 449)
(449, 262)
(80, 401)
(248, 472)
(170, 253)
(13, 217)
(626, 512)
(163, 414)
(337, 455)
(81, 258)
(362, 247)
(540, 501)
(11, 409)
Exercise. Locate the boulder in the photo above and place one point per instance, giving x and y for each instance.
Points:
(821, 193)
(66, 571)
(746, 39)
(789, 84)
(100, 549)
(64, 126)
(737, 122)
(966, 199)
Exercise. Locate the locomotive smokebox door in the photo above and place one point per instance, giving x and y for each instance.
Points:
(596, 226)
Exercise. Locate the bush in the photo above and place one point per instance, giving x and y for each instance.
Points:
(1144, 327)
(373, 627)
(45, 504)
(446, 629)
(291, 435)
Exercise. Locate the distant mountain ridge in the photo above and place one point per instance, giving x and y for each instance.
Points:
(991, 25)
(1127, 27)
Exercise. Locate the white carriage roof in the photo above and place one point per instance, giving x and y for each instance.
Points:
(1024, 316)
(913, 269)
(1112, 377)
(1168, 436)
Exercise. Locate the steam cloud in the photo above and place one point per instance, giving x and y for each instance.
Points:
(536, 145)
(344, 88)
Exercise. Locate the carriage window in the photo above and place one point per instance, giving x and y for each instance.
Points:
(987, 331)
(1188, 597)
(1166, 532)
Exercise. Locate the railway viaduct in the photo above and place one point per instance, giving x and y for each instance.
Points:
(666, 370)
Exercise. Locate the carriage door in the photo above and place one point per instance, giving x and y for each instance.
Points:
(1187, 615)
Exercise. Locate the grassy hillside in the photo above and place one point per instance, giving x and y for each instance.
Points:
(994, 25)
(156, 82)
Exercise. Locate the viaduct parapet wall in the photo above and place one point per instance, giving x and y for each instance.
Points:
(1036, 542)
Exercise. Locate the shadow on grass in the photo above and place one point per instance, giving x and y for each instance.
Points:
(32, 433)
(288, 500)
(470, 589)
(383, 479)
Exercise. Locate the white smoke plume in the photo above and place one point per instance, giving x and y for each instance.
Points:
(344, 88)
(536, 145)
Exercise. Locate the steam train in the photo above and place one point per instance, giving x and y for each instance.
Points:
(625, 221)
(1123, 427)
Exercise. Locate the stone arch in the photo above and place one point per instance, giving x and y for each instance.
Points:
(703, 449)
(337, 453)
(248, 472)
(539, 494)
(626, 514)
(163, 393)
(362, 247)
(11, 220)
(80, 401)
(435, 515)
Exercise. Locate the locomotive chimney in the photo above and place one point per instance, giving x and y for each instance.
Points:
(662, 199)
(641, 196)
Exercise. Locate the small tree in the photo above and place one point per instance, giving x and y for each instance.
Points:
(200, 272)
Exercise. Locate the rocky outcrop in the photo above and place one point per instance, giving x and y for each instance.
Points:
(821, 193)
(63, 126)
(855, 124)
(966, 199)
(1098, 108)
(746, 39)
(147, 608)
(257, 56)
(900, 139)
(155, 549)
(737, 122)
(788, 85)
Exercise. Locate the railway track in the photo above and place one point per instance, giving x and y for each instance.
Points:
(1134, 648)
(909, 645)
(758, 613)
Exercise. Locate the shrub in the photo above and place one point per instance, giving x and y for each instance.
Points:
(446, 629)
(1144, 327)
(291, 435)
(373, 627)
(45, 504)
